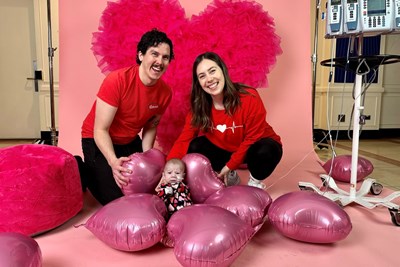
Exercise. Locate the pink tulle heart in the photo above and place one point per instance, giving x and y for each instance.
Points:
(146, 169)
(200, 177)
(241, 32)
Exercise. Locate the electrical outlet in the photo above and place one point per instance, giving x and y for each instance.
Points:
(341, 118)
(363, 118)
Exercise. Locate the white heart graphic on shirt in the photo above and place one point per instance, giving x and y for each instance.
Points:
(221, 128)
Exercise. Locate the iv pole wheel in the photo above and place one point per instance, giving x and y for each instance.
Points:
(376, 188)
(395, 214)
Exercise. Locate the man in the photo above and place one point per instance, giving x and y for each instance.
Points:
(130, 100)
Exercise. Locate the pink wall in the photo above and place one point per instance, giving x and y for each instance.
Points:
(288, 98)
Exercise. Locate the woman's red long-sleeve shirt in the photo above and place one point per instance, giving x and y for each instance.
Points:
(234, 133)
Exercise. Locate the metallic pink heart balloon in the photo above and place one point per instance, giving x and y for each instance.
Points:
(19, 250)
(309, 217)
(206, 235)
(250, 203)
(341, 168)
(130, 223)
(200, 177)
(146, 169)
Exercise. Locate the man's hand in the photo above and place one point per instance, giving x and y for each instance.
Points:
(118, 169)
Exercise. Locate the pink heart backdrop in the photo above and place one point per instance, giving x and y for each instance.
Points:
(240, 31)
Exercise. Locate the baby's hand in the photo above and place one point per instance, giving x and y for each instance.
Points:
(158, 187)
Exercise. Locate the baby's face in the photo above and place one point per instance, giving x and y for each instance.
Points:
(173, 173)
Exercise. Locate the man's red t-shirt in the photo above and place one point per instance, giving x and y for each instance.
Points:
(136, 104)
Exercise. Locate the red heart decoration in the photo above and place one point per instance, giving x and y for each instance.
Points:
(241, 32)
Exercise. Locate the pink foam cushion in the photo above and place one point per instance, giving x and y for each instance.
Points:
(40, 188)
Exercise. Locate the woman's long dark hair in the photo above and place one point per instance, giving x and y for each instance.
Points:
(201, 102)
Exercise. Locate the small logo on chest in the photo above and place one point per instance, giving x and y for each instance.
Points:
(222, 127)
(153, 106)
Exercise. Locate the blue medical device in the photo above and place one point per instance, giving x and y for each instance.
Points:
(396, 24)
(351, 16)
(334, 22)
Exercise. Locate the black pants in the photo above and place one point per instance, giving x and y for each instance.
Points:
(100, 180)
(262, 157)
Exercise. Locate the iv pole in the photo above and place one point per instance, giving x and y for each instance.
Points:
(353, 196)
(314, 58)
(53, 131)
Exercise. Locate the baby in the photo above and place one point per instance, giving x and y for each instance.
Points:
(171, 188)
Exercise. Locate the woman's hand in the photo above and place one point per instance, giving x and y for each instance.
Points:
(223, 174)
(118, 169)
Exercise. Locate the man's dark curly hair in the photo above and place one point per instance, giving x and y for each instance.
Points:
(153, 38)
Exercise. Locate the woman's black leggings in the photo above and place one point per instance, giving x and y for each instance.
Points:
(261, 158)
(99, 176)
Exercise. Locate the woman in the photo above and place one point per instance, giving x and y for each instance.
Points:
(227, 124)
